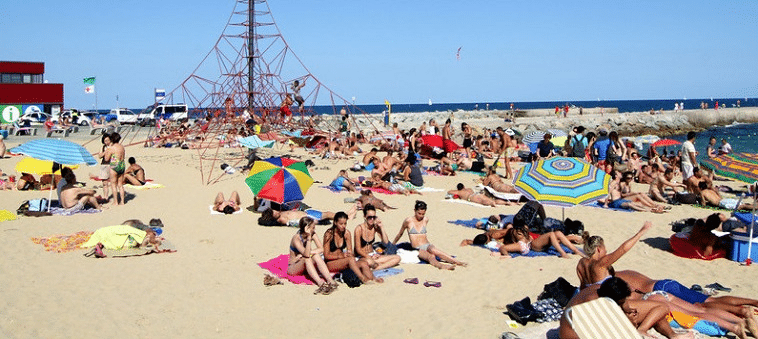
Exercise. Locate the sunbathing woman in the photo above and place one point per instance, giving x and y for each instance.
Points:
(365, 236)
(638, 197)
(344, 181)
(227, 206)
(518, 240)
(492, 179)
(614, 199)
(416, 226)
(598, 266)
(304, 258)
(271, 217)
(135, 174)
(338, 252)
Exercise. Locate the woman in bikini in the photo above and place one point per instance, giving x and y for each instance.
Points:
(271, 217)
(598, 265)
(226, 206)
(518, 240)
(365, 236)
(135, 174)
(116, 153)
(305, 258)
(416, 226)
(492, 179)
(338, 251)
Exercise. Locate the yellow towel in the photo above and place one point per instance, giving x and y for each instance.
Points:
(6, 215)
(116, 237)
(685, 320)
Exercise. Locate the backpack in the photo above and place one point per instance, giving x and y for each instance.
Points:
(529, 214)
(560, 290)
(610, 154)
(350, 278)
(578, 150)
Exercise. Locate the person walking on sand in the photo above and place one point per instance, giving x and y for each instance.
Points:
(115, 154)
(689, 154)
(416, 226)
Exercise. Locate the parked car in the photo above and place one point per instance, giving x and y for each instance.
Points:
(122, 115)
(40, 117)
(172, 112)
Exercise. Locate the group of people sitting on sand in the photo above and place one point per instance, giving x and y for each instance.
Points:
(340, 248)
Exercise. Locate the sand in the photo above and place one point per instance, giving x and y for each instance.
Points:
(212, 287)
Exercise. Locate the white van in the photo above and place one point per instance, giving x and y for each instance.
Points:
(171, 112)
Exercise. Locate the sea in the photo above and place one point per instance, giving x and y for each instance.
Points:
(742, 137)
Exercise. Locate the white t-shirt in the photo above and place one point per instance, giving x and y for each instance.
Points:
(687, 148)
(726, 148)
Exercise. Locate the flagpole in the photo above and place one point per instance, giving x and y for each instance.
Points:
(96, 100)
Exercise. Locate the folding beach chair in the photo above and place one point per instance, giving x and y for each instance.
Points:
(601, 319)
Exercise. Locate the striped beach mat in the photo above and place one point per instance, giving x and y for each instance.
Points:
(599, 319)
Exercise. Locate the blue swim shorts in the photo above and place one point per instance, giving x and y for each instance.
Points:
(337, 183)
(618, 204)
(680, 291)
(316, 215)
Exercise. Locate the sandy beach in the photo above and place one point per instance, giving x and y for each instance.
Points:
(211, 287)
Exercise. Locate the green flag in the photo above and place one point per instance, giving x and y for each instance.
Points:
(89, 81)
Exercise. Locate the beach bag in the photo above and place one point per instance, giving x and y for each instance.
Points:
(387, 248)
(522, 311)
(38, 205)
(550, 225)
(350, 278)
(578, 150)
(561, 290)
(530, 216)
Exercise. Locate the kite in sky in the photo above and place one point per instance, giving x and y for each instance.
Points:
(458, 54)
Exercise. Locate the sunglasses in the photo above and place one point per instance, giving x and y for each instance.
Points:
(371, 217)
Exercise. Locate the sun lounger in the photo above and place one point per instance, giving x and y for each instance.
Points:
(30, 130)
(98, 130)
(65, 132)
(601, 318)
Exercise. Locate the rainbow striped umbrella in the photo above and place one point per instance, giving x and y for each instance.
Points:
(740, 166)
(563, 182)
(281, 180)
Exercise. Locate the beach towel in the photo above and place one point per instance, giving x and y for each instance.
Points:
(408, 256)
(63, 243)
(146, 186)
(65, 212)
(278, 267)
(481, 174)
(214, 212)
(503, 196)
(681, 247)
(116, 237)
(6, 215)
(600, 318)
(600, 205)
(166, 247)
(380, 190)
(459, 201)
(387, 272)
(332, 188)
(706, 207)
(549, 252)
(429, 189)
(468, 223)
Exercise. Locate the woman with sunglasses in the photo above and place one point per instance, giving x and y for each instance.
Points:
(365, 237)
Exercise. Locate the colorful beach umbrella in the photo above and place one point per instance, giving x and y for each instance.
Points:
(60, 151)
(281, 180)
(254, 142)
(561, 181)
(740, 166)
(532, 137)
(665, 143)
(557, 132)
(39, 167)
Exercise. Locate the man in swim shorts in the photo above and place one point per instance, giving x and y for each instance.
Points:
(74, 198)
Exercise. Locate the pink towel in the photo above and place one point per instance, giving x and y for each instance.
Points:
(380, 190)
(278, 266)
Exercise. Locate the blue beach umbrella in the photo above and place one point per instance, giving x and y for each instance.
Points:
(60, 151)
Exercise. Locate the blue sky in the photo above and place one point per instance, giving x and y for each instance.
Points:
(405, 51)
